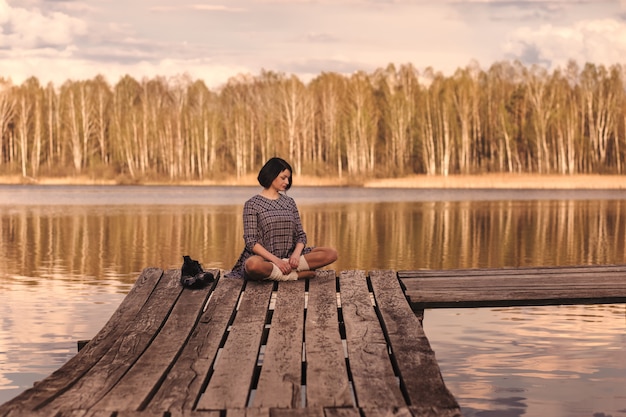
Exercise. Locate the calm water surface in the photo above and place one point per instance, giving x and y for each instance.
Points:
(69, 254)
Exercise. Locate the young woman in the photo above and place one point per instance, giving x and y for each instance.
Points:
(275, 242)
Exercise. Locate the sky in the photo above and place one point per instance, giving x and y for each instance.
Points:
(214, 40)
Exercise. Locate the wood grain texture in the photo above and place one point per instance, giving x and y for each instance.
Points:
(143, 379)
(419, 372)
(66, 376)
(326, 373)
(280, 381)
(523, 286)
(375, 383)
(183, 384)
(229, 385)
(127, 349)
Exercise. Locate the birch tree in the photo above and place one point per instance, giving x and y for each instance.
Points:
(541, 96)
(329, 90)
(7, 113)
(361, 127)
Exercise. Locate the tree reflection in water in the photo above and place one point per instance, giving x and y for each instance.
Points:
(118, 242)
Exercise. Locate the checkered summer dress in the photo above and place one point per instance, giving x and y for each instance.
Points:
(275, 224)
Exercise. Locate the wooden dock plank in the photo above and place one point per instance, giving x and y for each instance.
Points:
(375, 383)
(183, 384)
(302, 412)
(142, 380)
(281, 374)
(502, 272)
(326, 372)
(61, 413)
(420, 375)
(520, 282)
(232, 374)
(63, 378)
(126, 349)
(410, 411)
(528, 286)
(341, 412)
(248, 412)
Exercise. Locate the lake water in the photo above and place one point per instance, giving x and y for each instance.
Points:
(69, 254)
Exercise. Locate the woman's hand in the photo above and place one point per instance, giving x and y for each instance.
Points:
(284, 265)
(294, 261)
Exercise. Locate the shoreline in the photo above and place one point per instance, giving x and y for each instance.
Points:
(507, 181)
(479, 181)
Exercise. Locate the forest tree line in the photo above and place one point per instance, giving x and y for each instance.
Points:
(392, 122)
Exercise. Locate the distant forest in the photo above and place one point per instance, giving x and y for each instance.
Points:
(392, 122)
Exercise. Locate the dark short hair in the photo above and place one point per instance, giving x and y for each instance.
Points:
(270, 171)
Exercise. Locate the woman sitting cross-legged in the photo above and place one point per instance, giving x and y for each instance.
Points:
(275, 242)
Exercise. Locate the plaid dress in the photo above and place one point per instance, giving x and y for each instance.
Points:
(275, 224)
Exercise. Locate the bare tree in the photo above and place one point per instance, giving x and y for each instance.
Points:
(541, 96)
(7, 113)
(399, 91)
(329, 93)
(361, 125)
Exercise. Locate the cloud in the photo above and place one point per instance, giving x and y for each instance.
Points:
(601, 41)
(198, 7)
(58, 40)
(27, 29)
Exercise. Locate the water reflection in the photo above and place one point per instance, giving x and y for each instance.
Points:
(89, 244)
(552, 361)
(68, 258)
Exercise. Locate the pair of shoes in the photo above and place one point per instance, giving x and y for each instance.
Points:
(193, 276)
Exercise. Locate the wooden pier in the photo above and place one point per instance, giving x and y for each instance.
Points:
(350, 345)
(332, 346)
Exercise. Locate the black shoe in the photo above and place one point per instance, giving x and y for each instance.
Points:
(192, 275)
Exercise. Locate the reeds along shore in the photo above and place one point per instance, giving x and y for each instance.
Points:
(485, 181)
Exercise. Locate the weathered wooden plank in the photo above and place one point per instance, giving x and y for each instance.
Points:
(191, 413)
(469, 295)
(375, 383)
(434, 412)
(327, 382)
(63, 378)
(88, 413)
(533, 271)
(128, 413)
(470, 288)
(126, 349)
(182, 386)
(555, 281)
(281, 373)
(419, 372)
(411, 411)
(229, 384)
(341, 412)
(248, 412)
(387, 412)
(63, 413)
(144, 377)
(297, 412)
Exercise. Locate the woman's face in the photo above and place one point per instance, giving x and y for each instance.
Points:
(281, 182)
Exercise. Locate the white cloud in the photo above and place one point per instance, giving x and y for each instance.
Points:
(601, 41)
(25, 28)
(59, 69)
